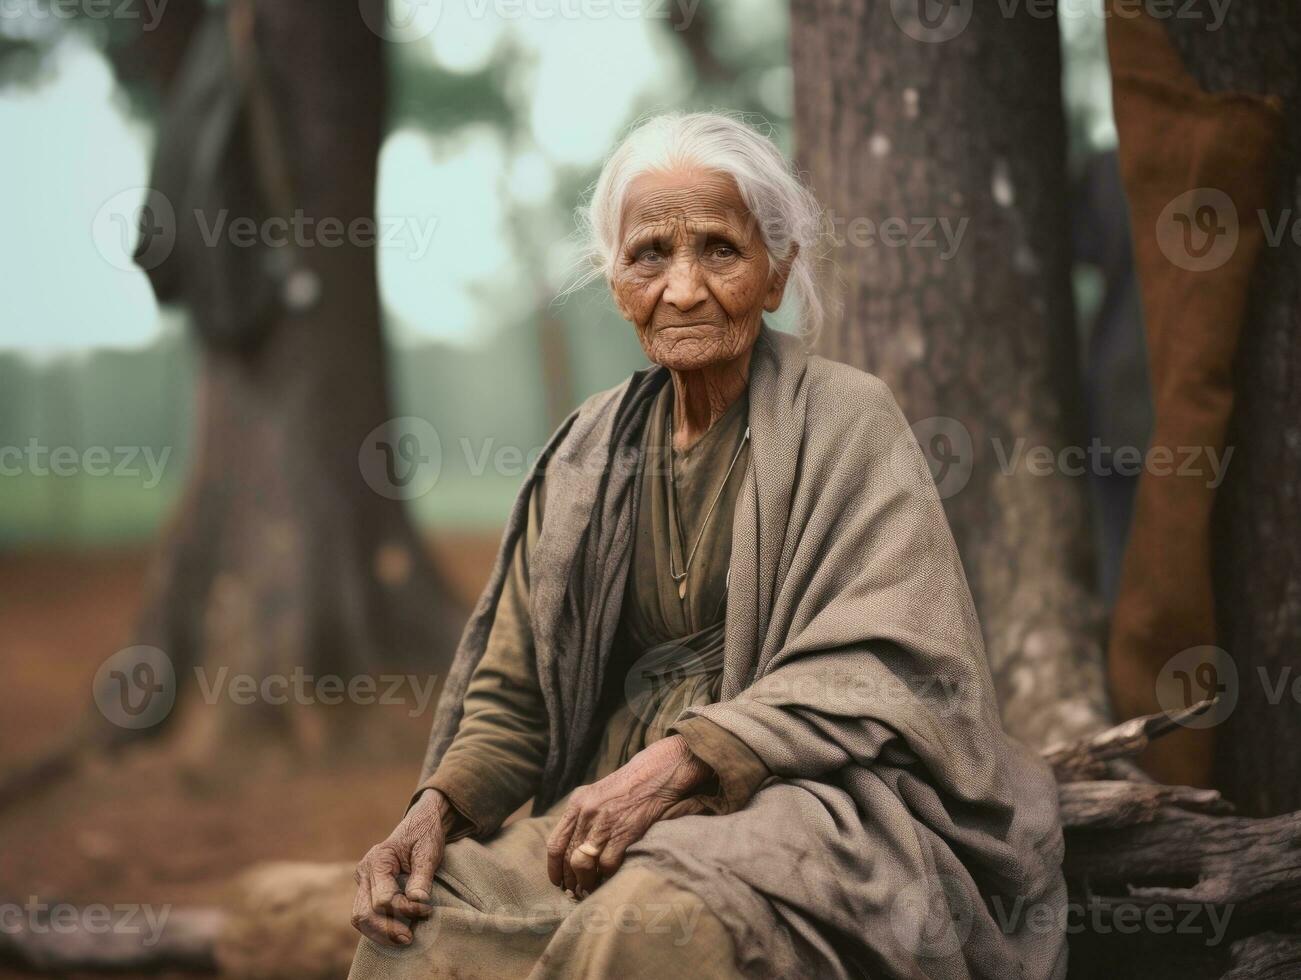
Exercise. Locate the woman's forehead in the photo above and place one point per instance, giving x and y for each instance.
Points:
(683, 195)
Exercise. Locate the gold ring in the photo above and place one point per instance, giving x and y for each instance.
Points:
(590, 849)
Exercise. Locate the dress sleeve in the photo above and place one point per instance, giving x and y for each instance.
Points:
(495, 762)
(740, 772)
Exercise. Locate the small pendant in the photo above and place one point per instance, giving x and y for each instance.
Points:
(682, 589)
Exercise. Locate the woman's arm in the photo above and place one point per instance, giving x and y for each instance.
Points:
(493, 765)
(490, 769)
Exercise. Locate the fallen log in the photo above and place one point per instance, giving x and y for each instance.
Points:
(1163, 881)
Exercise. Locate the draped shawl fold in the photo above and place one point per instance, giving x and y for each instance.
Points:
(906, 835)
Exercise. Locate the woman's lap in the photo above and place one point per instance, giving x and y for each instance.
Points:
(497, 915)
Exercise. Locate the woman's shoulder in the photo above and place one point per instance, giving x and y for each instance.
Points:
(839, 391)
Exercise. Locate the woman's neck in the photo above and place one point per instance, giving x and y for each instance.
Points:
(701, 398)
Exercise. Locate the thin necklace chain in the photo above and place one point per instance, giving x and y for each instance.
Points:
(681, 576)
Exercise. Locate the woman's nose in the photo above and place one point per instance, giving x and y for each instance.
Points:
(685, 288)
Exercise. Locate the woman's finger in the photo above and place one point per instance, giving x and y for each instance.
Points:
(584, 861)
(425, 857)
(611, 859)
(372, 925)
(558, 846)
(384, 868)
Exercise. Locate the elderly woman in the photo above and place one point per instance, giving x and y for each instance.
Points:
(728, 652)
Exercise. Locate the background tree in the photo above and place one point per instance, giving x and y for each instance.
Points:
(1258, 548)
(958, 123)
(281, 555)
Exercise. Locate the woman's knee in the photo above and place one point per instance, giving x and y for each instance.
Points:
(639, 924)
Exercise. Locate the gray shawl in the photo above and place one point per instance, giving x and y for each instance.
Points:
(905, 835)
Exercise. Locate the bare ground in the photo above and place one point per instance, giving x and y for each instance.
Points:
(162, 824)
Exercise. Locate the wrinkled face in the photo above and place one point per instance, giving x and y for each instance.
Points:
(692, 274)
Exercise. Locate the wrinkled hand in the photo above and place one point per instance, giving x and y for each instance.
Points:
(614, 813)
(384, 911)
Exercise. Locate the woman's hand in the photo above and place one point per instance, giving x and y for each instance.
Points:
(382, 910)
(605, 818)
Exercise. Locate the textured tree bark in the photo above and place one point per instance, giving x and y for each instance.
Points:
(965, 308)
(281, 555)
(1258, 547)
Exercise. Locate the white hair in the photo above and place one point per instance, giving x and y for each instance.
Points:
(785, 210)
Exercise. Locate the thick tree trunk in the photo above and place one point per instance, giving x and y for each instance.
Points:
(282, 556)
(963, 305)
(1258, 533)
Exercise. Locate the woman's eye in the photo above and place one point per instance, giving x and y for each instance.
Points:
(723, 252)
(649, 255)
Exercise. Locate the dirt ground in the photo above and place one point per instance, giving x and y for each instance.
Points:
(156, 825)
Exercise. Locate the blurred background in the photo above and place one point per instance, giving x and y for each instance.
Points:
(494, 124)
(287, 449)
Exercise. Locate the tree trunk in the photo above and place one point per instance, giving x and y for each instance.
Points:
(963, 305)
(1258, 546)
(284, 555)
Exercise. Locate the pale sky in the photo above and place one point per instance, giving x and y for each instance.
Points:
(74, 166)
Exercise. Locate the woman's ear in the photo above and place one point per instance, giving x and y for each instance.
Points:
(780, 275)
